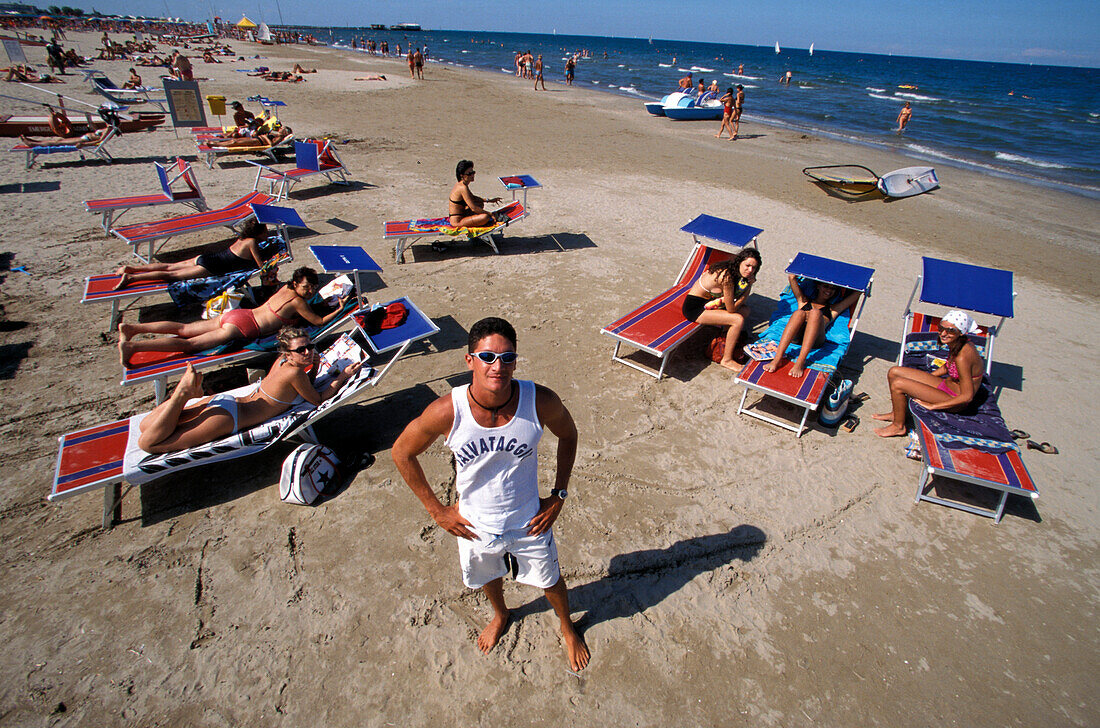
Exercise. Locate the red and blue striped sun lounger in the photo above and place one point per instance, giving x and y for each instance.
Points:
(311, 157)
(408, 232)
(157, 366)
(164, 230)
(99, 150)
(807, 392)
(113, 208)
(658, 326)
(1004, 472)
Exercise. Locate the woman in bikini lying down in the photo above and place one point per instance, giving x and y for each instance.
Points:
(812, 319)
(465, 209)
(288, 305)
(951, 387)
(241, 255)
(176, 424)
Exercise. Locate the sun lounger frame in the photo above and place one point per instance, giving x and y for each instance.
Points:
(402, 231)
(712, 237)
(99, 150)
(311, 157)
(149, 233)
(810, 391)
(211, 154)
(109, 475)
(113, 208)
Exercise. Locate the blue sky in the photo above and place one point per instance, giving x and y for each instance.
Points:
(1062, 32)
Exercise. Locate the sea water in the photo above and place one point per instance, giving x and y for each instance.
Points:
(1037, 123)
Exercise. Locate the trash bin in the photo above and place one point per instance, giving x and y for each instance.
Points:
(217, 104)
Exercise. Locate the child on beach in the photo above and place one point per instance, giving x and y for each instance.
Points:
(812, 319)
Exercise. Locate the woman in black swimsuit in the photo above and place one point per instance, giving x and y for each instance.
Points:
(243, 254)
(465, 209)
(812, 318)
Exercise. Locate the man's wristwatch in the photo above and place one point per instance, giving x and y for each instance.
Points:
(560, 493)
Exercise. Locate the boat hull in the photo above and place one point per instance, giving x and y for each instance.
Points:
(694, 113)
(908, 181)
(655, 107)
(13, 126)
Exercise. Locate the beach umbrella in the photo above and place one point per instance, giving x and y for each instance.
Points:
(245, 22)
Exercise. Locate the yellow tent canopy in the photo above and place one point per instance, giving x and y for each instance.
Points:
(245, 23)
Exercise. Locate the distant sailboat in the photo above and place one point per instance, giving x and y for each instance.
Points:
(811, 49)
(777, 48)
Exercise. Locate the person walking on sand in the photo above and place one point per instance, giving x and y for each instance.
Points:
(418, 60)
(493, 427)
(727, 114)
(904, 116)
(738, 105)
(570, 67)
(538, 74)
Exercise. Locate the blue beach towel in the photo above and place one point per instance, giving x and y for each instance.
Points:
(825, 358)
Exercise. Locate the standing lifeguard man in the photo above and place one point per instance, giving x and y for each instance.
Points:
(493, 427)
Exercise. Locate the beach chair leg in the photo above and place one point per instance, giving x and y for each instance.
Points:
(802, 424)
(1001, 507)
(112, 324)
(399, 250)
(661, 370)
(160, 389)
(112, 505)
(744, 394)
(922, 483)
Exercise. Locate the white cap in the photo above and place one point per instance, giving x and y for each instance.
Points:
(961, 321)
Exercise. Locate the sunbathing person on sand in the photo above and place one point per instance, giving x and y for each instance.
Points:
(265, 139)
(90, 139)
(286, 306)
(378, 77)
(950, 387)
(465, 208)
(176, 424)
(718, 298)
(298, 69)
(241, 255)
(812, 319)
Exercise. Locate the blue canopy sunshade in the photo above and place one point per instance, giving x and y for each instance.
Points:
(824, 270)
(970, 287)
(722, 231)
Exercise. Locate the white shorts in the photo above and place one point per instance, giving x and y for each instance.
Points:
(482, 560)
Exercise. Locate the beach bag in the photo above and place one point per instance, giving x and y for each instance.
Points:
(307, 472)
(836, 406)
(219, 304)
(717, 346)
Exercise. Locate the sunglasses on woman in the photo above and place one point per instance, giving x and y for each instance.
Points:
(302, 349)
(506, 357)
(951, 331)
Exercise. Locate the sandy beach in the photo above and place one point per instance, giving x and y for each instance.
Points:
(723, 571)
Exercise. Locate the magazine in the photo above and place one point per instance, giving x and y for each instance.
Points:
(763, 350)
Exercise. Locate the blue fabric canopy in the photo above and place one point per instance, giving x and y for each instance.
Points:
(971, 287)
(846, 275)
(274, 215)
(724, 231)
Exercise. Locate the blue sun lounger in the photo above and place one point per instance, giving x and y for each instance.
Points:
(807, 391)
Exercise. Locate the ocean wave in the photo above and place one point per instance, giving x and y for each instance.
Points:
(702, 70)
(916, 97)
(876, 90)
(665, 65)
(683, 70)
(1005, 156)
(880, 96)
(631, 90)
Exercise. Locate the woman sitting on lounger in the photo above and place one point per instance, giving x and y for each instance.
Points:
(812, 319)
(242, 254)
(176, 425)
(951, 387)
(718, 298)
(286, 306)
(465, 208)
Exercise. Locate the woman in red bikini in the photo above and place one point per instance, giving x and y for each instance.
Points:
(950, 387)
(285, 307)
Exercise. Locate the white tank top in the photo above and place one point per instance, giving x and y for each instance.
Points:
(497, 467)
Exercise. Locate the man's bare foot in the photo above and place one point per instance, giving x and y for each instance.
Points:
(730, 364)
(125, 331)
(122, 282)
(890, 430)
(489, 636)
(575, 648)
(774, 364)
(884, 417)
(796, 371)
